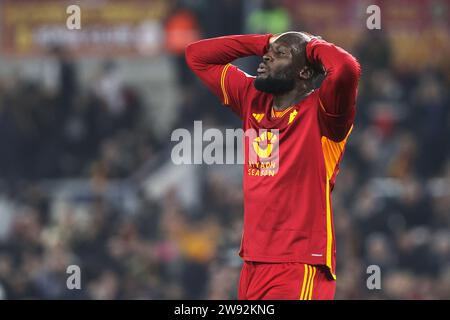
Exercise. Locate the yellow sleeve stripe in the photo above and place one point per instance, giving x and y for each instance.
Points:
(222, 84)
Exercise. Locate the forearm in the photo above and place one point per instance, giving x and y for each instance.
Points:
(209, 59)
(223, 50)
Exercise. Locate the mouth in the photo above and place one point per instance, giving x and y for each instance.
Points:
(261, 69)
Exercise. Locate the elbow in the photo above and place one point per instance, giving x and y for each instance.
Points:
(189, 48)
(189, 54)
(192, 55)
(349, 70)
(353, 68)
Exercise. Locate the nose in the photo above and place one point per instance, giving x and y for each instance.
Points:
(267, 58)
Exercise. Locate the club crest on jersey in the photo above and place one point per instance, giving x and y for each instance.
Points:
(263, 145)
(264, 160)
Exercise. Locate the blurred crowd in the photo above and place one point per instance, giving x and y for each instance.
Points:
(391, 201)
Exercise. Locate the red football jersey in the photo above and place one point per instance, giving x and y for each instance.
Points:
(292, 160)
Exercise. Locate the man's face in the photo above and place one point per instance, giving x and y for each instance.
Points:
(279, 69)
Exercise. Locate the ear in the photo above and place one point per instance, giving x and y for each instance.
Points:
(306, 73)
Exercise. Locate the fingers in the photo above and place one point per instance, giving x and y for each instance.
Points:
(306, 35)
(309, 36)
(274, 38)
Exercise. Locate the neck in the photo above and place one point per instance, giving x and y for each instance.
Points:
(285, 100)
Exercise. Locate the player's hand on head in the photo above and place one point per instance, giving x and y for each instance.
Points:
(308, 36)
(274, 37)
(319, 69)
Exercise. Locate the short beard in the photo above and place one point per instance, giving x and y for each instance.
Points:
(274, 85)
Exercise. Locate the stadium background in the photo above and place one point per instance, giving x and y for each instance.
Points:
(85, 170)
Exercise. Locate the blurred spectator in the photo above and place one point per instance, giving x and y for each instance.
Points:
(108, 88)
(374, 51)
(181, 29)
(270, 17)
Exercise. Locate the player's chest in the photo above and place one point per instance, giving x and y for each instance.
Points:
(288, 126)
(290, 139)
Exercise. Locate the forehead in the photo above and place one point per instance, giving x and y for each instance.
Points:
(281, 45)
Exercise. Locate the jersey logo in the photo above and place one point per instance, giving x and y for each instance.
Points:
(263, 145)
(258, 116)
(292, 116)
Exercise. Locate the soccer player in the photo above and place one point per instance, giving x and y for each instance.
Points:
(288, 243)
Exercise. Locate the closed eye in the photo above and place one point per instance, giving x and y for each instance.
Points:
(279, 50)
(282, 51)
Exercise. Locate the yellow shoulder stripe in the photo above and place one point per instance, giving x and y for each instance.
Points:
(226, 101)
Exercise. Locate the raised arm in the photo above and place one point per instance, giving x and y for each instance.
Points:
(210, 60)
(338, 91)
